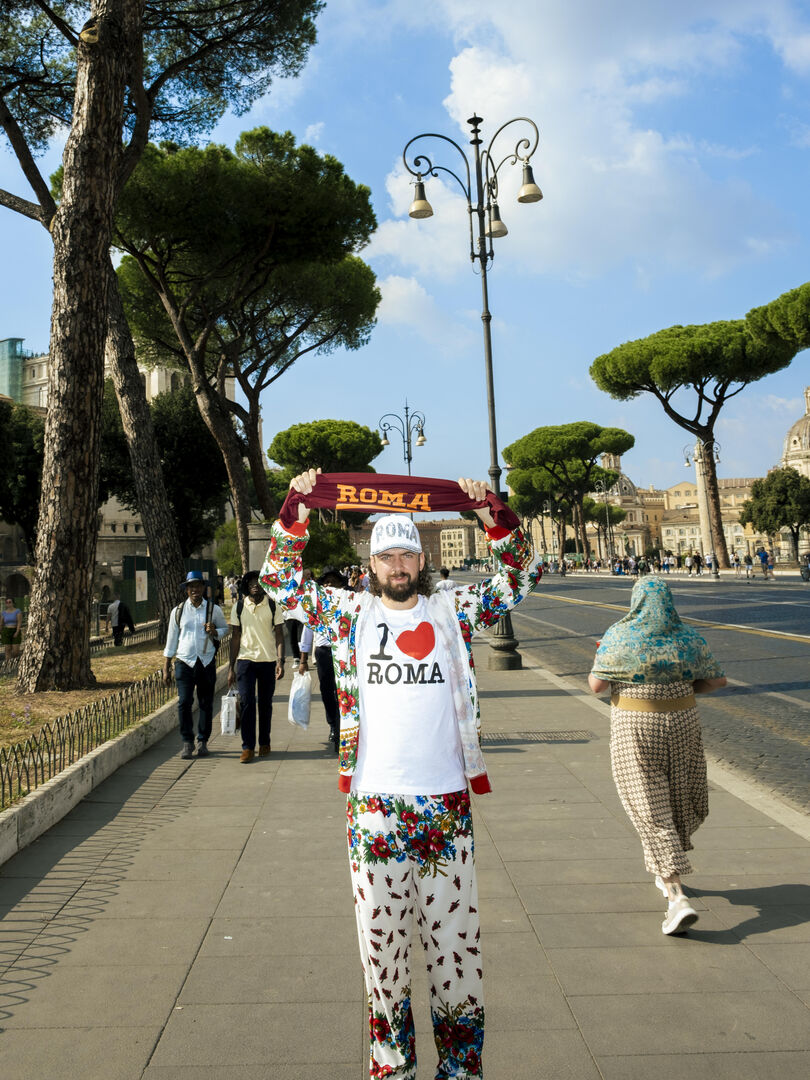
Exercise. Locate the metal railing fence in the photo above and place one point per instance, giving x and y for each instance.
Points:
(28, 764)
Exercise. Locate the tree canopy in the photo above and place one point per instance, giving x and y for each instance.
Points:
(715, 361)
(198, 58)
(21, 468)
(329, 445)
(779, 501)
(785, 320)
(559, 463)
(248, 296)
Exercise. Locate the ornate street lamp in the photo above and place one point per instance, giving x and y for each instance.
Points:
(479, 185)
(413, 422)
(702, 448)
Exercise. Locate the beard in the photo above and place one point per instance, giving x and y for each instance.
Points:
(402, 590)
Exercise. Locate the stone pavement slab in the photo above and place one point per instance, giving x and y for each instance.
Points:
(193, 920)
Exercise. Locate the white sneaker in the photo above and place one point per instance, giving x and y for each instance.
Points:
(680, 916)
(659, 884)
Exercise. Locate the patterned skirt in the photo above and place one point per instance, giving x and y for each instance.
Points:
(659, 769)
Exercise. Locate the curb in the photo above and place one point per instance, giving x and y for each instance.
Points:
(28, 819)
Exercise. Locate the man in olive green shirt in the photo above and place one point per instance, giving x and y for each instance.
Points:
(256, 661)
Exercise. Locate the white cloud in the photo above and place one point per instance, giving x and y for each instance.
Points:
(439, 245)
(406, 304)
(313, 133)
(798, 132)
(618, 189)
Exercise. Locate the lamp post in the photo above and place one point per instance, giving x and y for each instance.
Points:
(601, 487)
(479, 184)
(701, 448)
(413, 422)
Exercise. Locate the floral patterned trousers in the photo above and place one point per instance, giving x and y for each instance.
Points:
(411, 859)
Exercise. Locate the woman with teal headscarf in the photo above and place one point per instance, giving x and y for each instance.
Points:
(653, 666)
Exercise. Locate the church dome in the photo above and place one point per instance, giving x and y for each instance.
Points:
(624, 486)
(796, 452)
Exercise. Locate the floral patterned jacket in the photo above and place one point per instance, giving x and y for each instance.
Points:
(456, 613)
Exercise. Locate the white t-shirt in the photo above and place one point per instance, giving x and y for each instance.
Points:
(409, 741)
(444, 583)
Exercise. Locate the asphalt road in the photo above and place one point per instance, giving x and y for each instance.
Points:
(759, 632)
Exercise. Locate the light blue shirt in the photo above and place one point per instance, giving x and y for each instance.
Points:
(189, 641)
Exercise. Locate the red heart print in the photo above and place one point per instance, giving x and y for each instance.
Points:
(417, 643)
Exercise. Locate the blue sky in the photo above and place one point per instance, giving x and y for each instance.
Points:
(675, 163)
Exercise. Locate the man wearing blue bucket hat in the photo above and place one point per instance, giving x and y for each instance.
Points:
(195, 631)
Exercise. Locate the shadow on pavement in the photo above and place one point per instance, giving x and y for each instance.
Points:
(53, 890)
(779, 906)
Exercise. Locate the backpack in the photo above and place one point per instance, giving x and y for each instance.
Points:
(209, 609)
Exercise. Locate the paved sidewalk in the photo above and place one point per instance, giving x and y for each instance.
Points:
(193, 920)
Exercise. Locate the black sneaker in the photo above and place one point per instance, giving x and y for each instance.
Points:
(187, 753)
(202, 749)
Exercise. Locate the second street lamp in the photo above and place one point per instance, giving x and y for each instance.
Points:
(413, 422)
(479, 184)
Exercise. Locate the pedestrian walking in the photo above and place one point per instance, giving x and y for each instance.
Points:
(196, 627)
(409, 746)
(256, 662)
(315, 641)
(119, 618)
(653, 666)
(12, 628)
(445, 581)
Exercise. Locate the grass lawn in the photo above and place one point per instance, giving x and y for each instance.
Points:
(23, 714)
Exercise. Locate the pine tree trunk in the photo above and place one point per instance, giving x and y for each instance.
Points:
(153, 505)
(713, 496)
(220, 425)
(257, 463)
(56, 655)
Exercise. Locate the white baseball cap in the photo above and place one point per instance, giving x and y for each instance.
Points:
(394, 531)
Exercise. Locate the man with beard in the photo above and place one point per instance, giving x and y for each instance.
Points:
(409, 747)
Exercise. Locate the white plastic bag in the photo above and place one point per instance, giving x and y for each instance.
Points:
(300, 700)
(227, 714)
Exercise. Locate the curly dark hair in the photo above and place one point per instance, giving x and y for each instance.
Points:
(424, 583)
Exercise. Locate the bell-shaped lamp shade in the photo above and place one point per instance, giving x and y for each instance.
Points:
(496, 227)
(529, 191)
(384, 440)
(420, 207)
(421, 440)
